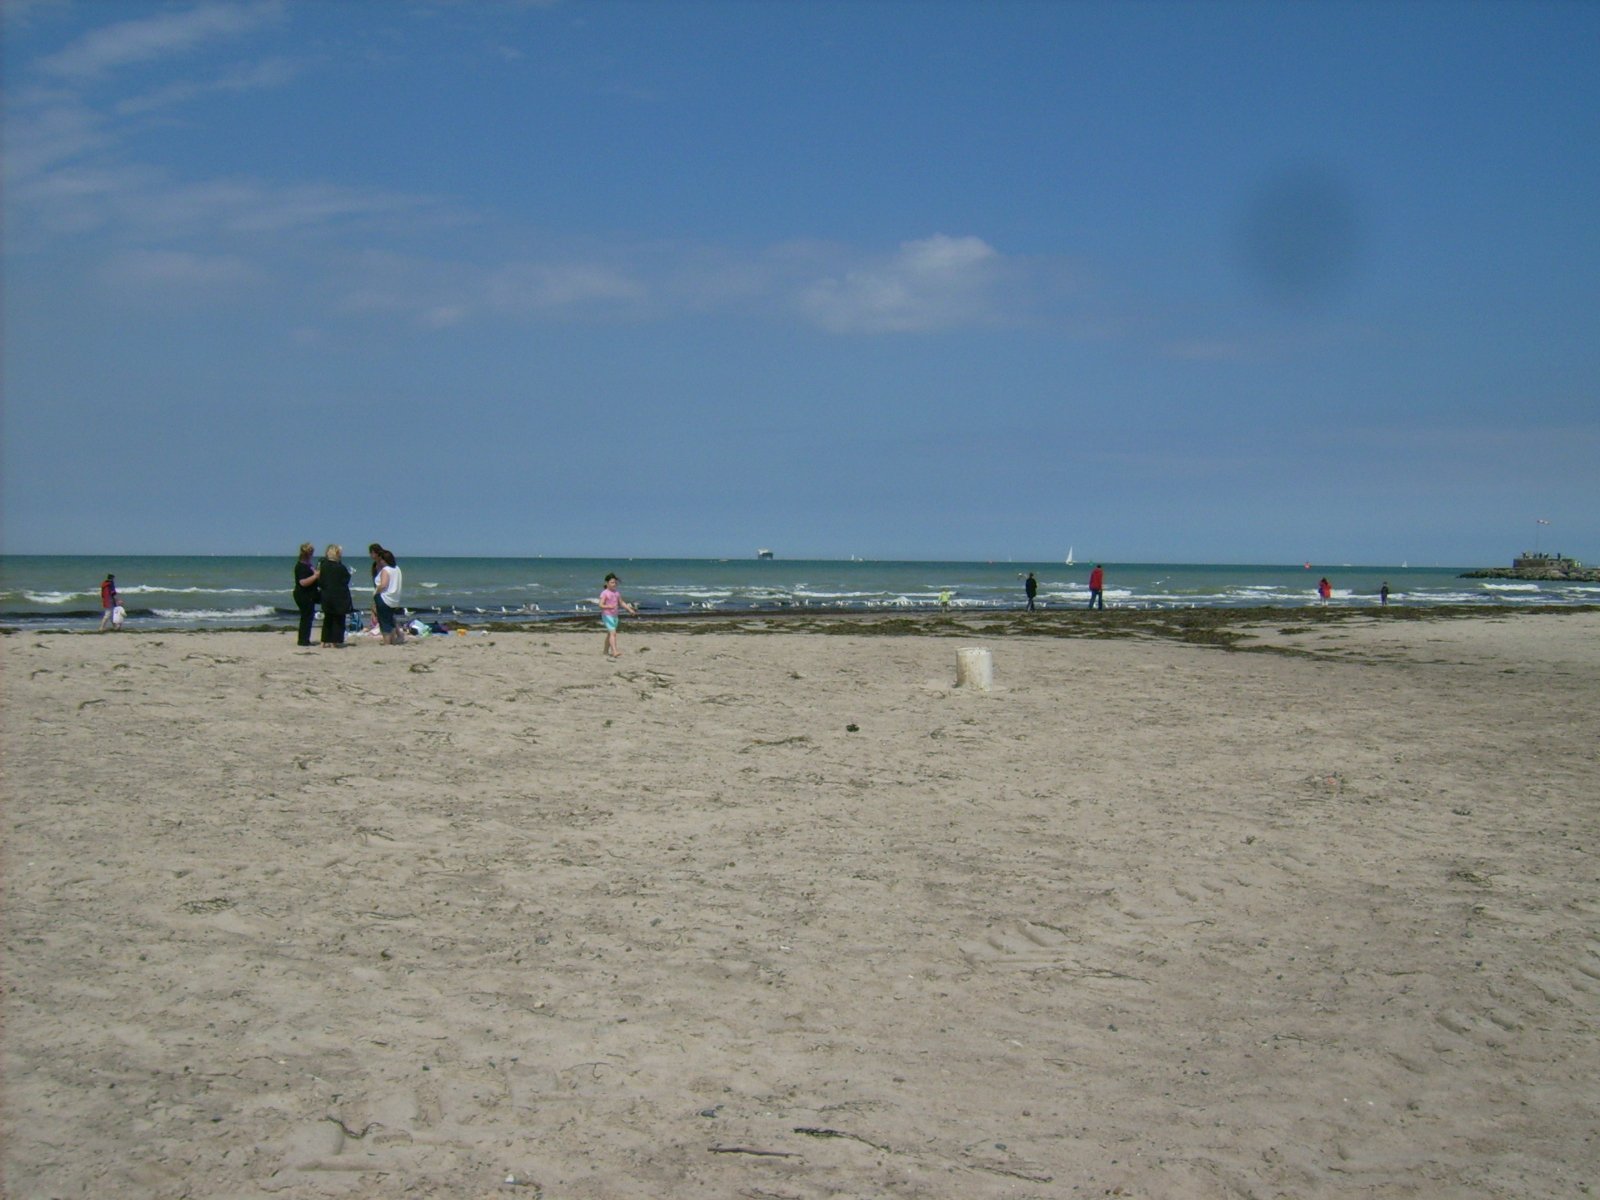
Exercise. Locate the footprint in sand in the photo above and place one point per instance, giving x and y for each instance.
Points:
(1022, 945)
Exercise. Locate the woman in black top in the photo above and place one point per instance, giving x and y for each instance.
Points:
(334, 582)
(305, 592)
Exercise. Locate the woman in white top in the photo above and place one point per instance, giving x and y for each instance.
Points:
(386, 595)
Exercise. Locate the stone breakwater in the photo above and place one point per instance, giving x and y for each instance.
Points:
(1551, 574)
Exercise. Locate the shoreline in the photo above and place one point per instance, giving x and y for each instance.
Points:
(1196, 624)
(247, 594)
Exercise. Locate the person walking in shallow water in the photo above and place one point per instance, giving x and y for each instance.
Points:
(1324, 589)
(1097, 587)
(1031, 588)
(610, 602)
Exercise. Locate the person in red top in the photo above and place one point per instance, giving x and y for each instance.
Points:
(1325, 590)
(108, 601)
(1097, 587)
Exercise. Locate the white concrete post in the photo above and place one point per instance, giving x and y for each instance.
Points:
(974, 668)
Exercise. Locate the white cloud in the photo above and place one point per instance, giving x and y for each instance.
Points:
(148, 38)
(178, 270)
(270, 73)
(72, 200)
(21, 12)
(39, 140)
(940, 254)
(142, 202)
(439, 294)
(264, 209)
(444, 316)
(940, 282)
(436, 295)
(562, 285)
(931, 284)
(64, 172)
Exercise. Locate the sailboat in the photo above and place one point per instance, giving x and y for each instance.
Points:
(1070, 560)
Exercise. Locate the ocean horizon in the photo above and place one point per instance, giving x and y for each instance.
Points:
(61, 592)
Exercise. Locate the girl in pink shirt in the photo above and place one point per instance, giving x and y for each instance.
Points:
(610, 602)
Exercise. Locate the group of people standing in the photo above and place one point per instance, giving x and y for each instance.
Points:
(327, 586)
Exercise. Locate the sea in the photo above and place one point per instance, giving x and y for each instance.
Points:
(45, 592)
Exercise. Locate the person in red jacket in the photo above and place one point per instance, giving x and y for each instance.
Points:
(108, 601)
(1097, 587)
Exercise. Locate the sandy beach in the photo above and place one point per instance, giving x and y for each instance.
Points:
(763, 911)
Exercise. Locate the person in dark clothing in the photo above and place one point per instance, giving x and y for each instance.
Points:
(305, 592)
(1032, 588)
(333, 581)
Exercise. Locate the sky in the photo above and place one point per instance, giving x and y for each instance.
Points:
(1196, 282)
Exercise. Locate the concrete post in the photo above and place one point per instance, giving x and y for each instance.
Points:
(974, 668)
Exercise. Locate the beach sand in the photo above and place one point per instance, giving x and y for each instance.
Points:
(788, 915)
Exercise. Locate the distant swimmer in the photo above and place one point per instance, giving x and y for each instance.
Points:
(1097, 587)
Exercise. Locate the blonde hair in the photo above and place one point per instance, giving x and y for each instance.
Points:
(307, 550)
(335, 552)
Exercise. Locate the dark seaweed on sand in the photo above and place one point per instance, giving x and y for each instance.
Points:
(1225, 628)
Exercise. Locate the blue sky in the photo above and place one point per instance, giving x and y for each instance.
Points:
(1159, 282)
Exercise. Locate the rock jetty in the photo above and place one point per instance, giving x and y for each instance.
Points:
(1547, 567)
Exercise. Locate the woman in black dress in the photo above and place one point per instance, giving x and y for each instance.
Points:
(334, 583)
(305, 592)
